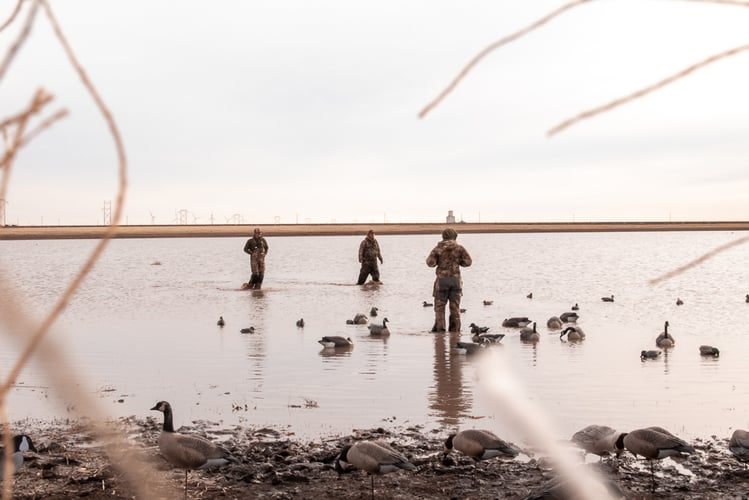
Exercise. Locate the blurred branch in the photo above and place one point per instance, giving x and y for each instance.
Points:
(13, 15)
(698, 260)
(20, 39)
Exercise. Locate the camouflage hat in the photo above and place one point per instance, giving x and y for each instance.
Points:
(449, 234)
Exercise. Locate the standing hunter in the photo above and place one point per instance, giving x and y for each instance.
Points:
(448, 257)
(257, 248)
(369, 253)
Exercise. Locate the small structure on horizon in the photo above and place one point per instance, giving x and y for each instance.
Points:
(450, 219)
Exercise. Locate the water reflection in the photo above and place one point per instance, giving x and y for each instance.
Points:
(533, 347)
(449, 400)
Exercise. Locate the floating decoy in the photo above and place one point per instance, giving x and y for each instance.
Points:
(185, 450)
(554, 323)
(608, 299)
(598, 440)
(220, 321)
(300, 323)
(373, 311)
(462, 310)
(573, 333)
(665, 339)
(708, 350)
(747, 298)
(679, 302)
(529, 296)
(428, 304)
(335, 341)
(575, 307)
(739, 445)
(478, 329)
(468, 348)
(569, 317)
(516, 322)
(487, 338)
(247, 330)
(479, 444)
(488, 302)
(380, 329)
(21, 444)
(654, 443)
(530, 334)
(373, 457)
(649, 355)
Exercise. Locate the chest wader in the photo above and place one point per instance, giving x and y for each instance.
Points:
(447, 289)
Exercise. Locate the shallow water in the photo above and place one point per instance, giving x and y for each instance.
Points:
(143, 328)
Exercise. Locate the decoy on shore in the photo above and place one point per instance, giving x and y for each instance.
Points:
(652, 354)
(555, 323)
(573, 333)
(709, 350)
(468, 348)
(21, 444)
(380, 329)
(608, 299)
(478, 329)
(598, 440)
(188, 451)
(479, 444)
(487, 338)
(665, 339)
(530, 334)
(679, 302)
(569, 317)
(300, 323)
(739, 445)
(373, 457)
(654, 443)
(335, 341)
(250, 329)
(220, 321)
(516, 322)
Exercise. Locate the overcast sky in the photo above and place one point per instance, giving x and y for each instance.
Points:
(300, 111)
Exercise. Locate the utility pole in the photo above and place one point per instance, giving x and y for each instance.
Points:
(107, 211)
(2, 211)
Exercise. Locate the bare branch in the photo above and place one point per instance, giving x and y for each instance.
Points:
(12, 15)
(698, 260)
(18, 42)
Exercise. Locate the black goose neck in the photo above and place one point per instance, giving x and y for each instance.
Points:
(168, 425)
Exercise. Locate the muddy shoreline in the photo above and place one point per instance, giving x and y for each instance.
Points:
(274, 464)
(274, 230)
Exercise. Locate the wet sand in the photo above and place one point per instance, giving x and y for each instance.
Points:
(273, 230)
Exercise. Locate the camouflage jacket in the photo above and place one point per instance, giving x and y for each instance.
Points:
(448, 257)
(256, 245)
(369, 251)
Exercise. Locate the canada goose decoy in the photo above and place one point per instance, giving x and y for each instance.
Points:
(468, 348)
(573, 333)
(608, 299)
(373, 457)
(488, 302)
(665, 339)
(598, 440)
(21, 444)
(739, 445)
(555, 323)
(380, 329)
(679, 302)
(335, 341)
(428, 304)
(478, 329)
(530, 334)
(569, 317)
(251, 329)
(747, 298)
(529, 296)
(487, 338)
(708, 350)
(185, 450)
(516, 322)
(300, 323)
(220, 321)
(373, 311)
(653, 443)
(360, 319)
(479, 444)
(575, 307)
(649, 355)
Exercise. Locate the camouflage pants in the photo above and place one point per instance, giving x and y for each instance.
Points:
(447, 290)
(368, 268)
(257, 266)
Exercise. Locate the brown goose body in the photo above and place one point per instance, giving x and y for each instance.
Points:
(665, 339)
(335, 341)
(599, 440)
(530, 334)
(573, 333)
(654, 443)
(479, 444)
(739, 445)
(709, 350)
(373, 457)
(380, 330)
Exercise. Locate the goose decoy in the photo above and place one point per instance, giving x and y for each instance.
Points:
(487, 338)
(478, 329)
(569, 317)
(608, 299)
(563, 487)
(21, 444)
(530, 334)
(555, 323)
(380, 329)
(708, 350)
(598, 440)
(185, 450)
(373, 311)
(488, 302)
(529, 296)
(247, 330)
(654, 443)
(575, 307)
(747, 298)
(373, 457)
(478, 444)
(360, 319)
(468, 348)
(516, 322)
(739, 445)
(665, 339)
(300, 323)
(220, 321)
(679, 302)
(335, 341)
(428, 304)
(573, 333)
(649, 355)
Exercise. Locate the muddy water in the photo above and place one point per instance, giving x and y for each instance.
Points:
(143, 328)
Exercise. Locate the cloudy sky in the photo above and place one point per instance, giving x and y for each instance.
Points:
(298, 111)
